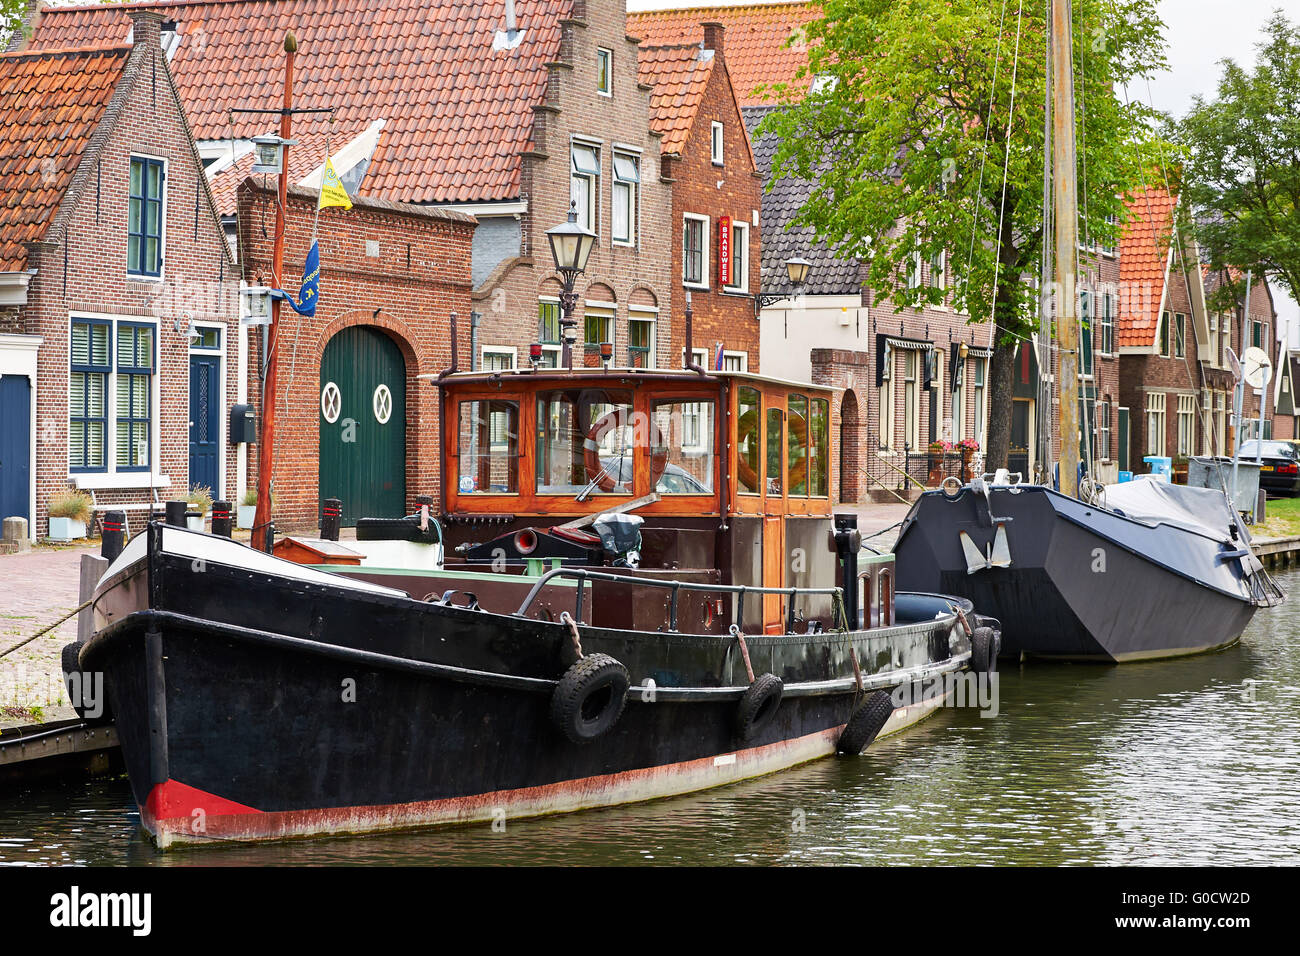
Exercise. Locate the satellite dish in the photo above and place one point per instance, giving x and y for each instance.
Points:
(1256, 367)
(1235, 363)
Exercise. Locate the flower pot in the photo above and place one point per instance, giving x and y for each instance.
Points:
(246, 515)
(66, 529)
(194, 521)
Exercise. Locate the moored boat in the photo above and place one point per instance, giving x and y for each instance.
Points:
(619, 634)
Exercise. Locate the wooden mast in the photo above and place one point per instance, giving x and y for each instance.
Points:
(1066, 202)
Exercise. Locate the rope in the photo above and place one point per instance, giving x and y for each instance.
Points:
(45, 630)
(744, 652)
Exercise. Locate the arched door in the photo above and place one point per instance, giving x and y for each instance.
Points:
(363, 424)
(849, 464)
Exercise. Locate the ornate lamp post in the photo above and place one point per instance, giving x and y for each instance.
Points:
(570, 246)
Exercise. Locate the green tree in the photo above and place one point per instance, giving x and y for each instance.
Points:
(909, 126)
(1242, 166)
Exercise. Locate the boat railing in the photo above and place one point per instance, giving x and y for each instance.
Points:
(675, 587)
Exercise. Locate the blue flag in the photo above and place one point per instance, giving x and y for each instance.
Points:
(310, 291)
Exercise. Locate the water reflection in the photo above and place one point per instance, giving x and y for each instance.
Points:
(1191, 761)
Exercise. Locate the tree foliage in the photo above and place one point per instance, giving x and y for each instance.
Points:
(908, 126)
(1242, 166)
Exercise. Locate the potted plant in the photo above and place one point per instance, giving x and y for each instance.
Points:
(938, 449)
(246, 512)
(69, 514)
(200, 500)
(968, 447)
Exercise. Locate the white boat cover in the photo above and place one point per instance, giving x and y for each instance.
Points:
(1204, 510)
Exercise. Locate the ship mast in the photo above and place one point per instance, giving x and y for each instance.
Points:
(1066, 203)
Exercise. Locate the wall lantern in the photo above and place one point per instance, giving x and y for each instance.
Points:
(255, 305)
(797, 269)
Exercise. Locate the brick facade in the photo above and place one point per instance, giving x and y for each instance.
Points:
(398, 268)
(733, 189)
(627, 276)
(81, 271)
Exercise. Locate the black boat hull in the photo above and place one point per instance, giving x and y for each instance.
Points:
(1082, 583)
(305, 707)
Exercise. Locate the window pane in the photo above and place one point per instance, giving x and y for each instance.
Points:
(747, 441)
(819, 461)
(151, 263)
(565, 421)
(622, 212)
(489, 448)
(775, 420)
(796, 468)
(625, 168)
(80, 344)
(99, 345)
(95, 445)
(95, 395)
(136, 176)
(153, 175)
(548, 321)
(683, 434)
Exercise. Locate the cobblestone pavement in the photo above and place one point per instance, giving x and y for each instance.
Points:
(37, 587)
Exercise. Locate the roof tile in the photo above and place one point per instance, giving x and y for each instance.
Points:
(1143, 256)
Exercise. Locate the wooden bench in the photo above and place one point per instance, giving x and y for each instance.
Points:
(126, 481)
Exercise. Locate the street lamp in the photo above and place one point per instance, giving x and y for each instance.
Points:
(570, 246)
(796, 270)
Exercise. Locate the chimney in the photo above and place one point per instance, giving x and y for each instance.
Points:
(146, 26)
(713, 33)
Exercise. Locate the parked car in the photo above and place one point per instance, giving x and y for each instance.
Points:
(1279, 472)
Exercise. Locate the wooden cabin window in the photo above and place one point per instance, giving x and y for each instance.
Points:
(796, 464)
(819, 448)
(747, 440)
(684, 430)
(566, 420)
(488, 448)
(774, 437)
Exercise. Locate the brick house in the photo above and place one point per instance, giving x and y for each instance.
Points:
(1286, 409)
(505, 114)
(1175, 377)
(716, 194)
(354, 422)
(120, 295)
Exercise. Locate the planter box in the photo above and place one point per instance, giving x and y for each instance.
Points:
(195, 522)
(66, 529)
(246, 515)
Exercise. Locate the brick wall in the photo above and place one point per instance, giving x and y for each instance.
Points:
(420, 276)
(632, 275)
(733, 190)
(84, 273)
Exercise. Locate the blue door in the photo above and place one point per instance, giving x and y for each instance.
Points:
(205, 426)
(15, 446)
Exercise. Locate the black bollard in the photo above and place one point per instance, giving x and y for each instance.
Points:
(847, 543)
(114, 534)
(221, 518)
(270, 537)
(175, 514)
(330, 517)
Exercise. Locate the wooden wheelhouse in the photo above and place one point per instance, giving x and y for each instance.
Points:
(730, 472)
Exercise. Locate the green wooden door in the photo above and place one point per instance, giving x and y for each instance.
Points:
(363, 424)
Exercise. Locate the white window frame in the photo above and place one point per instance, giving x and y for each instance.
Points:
(110, 477)
(588, 213)
(703, 282)
(1186, 425)
(959, 405)
(607, 311)
(912, 397)
(1179, 332)
(633, 199)
(556, 349)
(885, 440)
(649, 318)
(914, 270)
(743, 358)
(717, 144)
(1155, 415)
(509, 351)
(1103, 413)
(739, 257)
(979, 392)
(609, 72)
(939, 264)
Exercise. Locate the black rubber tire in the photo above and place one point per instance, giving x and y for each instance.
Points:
(759, 705)
(865, 724)
(984, 646)
(589, 699)
(71, 665)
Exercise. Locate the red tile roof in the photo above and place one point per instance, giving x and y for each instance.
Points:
(754, 46)
(679, 75)
(50, 106)
(1143, 256)
(458, 114)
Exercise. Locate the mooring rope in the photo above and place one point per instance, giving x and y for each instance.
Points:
(45, 630)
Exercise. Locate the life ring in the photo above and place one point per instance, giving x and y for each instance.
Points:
(758, 705)
(865, 724)
(591, 451)
(589, 699)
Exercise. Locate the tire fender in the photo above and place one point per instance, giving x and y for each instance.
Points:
(758, 705)
(865, 724)
(589, 699)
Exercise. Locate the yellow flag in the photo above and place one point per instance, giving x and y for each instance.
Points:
(332, 192)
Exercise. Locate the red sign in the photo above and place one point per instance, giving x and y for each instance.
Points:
(724, 250)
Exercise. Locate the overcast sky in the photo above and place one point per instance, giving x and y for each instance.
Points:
(1199, 33)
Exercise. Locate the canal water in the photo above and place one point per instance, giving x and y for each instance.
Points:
(1195, 761)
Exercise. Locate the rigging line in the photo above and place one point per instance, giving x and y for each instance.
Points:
(1006, 166)
(984, 151)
